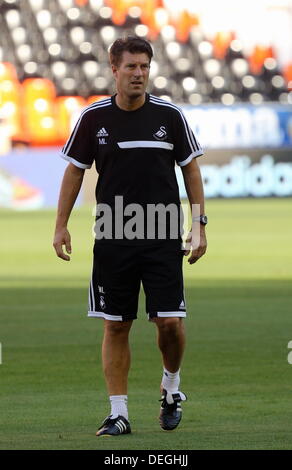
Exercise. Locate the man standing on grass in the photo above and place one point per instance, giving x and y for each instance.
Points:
(135, 140)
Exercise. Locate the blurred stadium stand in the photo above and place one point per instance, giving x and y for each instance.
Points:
(54, 61)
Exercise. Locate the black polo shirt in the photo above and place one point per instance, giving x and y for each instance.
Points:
(135, 152)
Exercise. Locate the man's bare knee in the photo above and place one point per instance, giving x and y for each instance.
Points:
(169, 325)
(117, 328)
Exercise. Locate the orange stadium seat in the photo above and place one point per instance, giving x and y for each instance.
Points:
(7, 71)
(38, 100)
(10, 100)
(81, 3)
(119, 10)
(288, 75)
(258, 56)
(9, 91)
(183, 25)
(148, 17)
(38, 88)
(221, 43)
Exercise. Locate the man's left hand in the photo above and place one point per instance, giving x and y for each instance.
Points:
(196, 243)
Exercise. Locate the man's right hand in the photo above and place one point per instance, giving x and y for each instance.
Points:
(62, 238)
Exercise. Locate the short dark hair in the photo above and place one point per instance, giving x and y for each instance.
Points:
(132, 44)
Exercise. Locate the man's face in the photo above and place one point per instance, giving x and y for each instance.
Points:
(132, 74)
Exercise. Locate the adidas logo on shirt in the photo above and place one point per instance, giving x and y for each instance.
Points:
(102, 132)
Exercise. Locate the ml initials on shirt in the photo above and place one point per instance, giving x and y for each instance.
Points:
(102, 133)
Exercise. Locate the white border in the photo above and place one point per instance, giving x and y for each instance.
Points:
(190, 158)
(75, 162)
(105, 316)
(168, 314)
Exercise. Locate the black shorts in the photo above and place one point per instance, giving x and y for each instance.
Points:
(117, 275)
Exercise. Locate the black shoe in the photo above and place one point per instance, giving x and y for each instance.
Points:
(114, 426)
(170, 411)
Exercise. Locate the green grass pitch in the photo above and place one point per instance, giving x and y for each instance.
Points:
(235, 372)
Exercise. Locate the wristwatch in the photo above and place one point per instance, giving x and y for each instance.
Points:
(203, 219)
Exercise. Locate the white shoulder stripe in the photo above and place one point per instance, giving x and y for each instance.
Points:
(191, 138)
(96, 105)
(194, 145)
